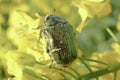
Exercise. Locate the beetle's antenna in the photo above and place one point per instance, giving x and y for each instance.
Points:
(54, 11)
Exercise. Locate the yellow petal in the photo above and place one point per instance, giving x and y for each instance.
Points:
(96, 0)
(80, 27)
(89, 9)
(118, 24)
(83, 14)
(13, 67)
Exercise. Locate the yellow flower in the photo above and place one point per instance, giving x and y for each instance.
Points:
(89, 9)
(118, 24)
(116, 47)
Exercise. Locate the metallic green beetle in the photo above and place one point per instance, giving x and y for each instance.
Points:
(59, 37)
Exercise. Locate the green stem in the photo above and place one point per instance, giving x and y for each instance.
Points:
(65, 78)
(69, 73)
(30, 72)
(115, 75)
(90, 70)
(109, 31)
(0, 29)
(87, 66)
(74, 70)
(92, 60)
(99, 73)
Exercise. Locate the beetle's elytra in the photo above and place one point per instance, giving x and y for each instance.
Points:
(59, 37)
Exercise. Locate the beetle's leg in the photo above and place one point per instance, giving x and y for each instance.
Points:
(40, 34)
(51, 56)
(37, 27)
(51, 64)
(52, 60)
(48, 50)
(54, 50)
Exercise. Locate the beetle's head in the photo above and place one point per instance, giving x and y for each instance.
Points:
(52, 20)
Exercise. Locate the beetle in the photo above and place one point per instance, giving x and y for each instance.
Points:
(59, 37)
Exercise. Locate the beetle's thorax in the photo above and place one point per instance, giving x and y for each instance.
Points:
(51, 20)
